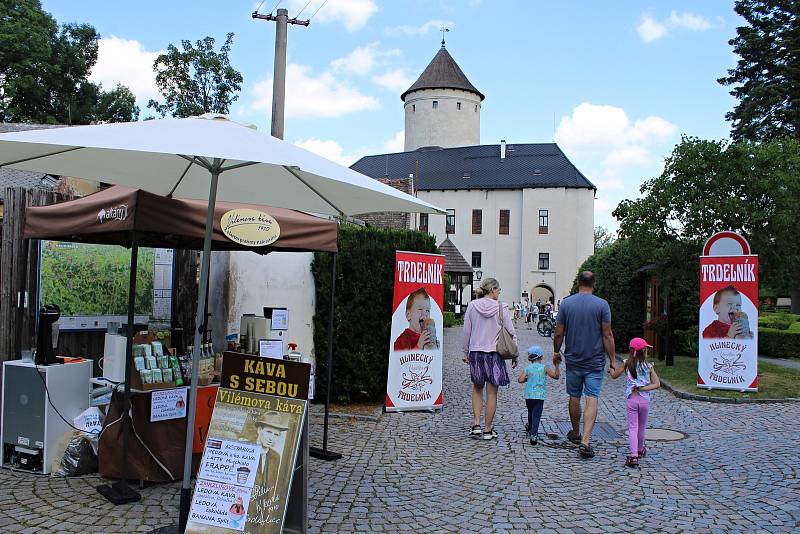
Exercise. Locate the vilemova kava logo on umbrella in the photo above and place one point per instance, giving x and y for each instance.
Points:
(251, 228)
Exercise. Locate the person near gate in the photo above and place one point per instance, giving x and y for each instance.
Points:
(640, 380)
(487, 369)
(534, 376)
(584, 327)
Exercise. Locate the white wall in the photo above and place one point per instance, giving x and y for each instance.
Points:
(446, 126)
(514, 258)
(250, 282)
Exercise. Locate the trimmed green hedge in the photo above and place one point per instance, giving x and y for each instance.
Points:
(449, 319)
(686, 341)
(778, 343)
(362, 325)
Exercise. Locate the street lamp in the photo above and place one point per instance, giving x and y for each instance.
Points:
(478, 275)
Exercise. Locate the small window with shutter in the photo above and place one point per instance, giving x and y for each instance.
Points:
(476, 260)
(505, 219)
(450, 222)
(423, 222)
(544, 221)
(477, 221)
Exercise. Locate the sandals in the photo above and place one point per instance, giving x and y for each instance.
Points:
(491, 434)
(475, 431)
(585, 451)
(573, 437)
(643, 452)
(632, 461)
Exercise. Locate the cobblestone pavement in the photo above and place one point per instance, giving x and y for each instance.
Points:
(418, 472)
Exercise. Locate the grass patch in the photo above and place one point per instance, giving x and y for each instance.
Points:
(774, 381)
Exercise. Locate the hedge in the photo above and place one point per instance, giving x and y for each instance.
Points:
(778, 343)
(362, 324)
(686, 340)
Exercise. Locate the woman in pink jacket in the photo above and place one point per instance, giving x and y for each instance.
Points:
(486, 366)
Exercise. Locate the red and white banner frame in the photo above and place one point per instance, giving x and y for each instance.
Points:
(414, 379)
(728, 317)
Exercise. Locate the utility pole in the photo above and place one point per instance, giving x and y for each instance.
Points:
(279, 77)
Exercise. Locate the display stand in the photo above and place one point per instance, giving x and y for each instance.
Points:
(297, 508)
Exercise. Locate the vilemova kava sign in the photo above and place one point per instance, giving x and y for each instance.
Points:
(251, 228)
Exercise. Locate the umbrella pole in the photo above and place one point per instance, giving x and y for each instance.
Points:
(324, 453)
(121, 493)
(186, 492)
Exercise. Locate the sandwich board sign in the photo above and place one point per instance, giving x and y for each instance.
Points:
(253, 476)
(728, 319)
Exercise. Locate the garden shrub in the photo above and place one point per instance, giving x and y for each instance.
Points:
(686, 341)
(794, 328)
(778, 343)
(362, 324)
(449, 319)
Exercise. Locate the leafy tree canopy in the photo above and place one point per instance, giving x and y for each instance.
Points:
(196, 80)
(766, 79)
(44, 70)
(602, 237)
(709, 186)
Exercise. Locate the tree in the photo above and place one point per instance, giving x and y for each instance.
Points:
(767, 75)
(708, 186)
(602, 238)
(44, 69)
(196, 80)
(117, 105)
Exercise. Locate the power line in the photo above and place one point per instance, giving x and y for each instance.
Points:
(317, 11)
(304, 8)
(259, 6)
(276, 6)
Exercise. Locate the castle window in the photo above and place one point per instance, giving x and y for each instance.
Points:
(413, 108)
(505, 220)
(544, 221)
(477, 221)
(423, 222)
(458, 105)
(476, 108)
(476, 260)
(450, 222)
(435, 104)
(544, 261)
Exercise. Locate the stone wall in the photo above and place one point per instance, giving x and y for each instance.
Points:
(390, 219)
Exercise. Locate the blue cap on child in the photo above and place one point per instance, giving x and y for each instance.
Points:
(535, 352)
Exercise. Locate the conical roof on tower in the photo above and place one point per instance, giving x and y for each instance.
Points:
(442, 73)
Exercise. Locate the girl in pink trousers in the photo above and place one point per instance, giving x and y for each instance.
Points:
(640, 380)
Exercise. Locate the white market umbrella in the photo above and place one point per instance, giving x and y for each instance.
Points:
(203, 158)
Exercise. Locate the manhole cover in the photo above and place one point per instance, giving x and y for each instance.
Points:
(601, 430)
(663, 434)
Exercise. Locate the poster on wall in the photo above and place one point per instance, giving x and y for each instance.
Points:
(728, 355)
(415, 345)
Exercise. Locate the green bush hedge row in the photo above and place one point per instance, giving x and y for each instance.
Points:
(362, 324)
(686, 341)
(778, 343)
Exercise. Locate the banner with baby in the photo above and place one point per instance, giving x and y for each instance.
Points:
(415, 344)
(728, 355)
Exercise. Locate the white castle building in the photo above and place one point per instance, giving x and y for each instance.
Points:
(518, 212)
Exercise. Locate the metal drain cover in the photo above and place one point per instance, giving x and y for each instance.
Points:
(601, 430)
(663, 434)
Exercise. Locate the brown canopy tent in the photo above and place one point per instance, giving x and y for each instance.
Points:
(133, 217)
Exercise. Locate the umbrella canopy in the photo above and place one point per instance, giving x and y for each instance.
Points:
(108, 217)
(172, 157)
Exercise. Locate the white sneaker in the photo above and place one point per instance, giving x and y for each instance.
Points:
(492, 434)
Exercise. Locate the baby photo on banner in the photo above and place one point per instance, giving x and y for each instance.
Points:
(415, 345)
(728, 323)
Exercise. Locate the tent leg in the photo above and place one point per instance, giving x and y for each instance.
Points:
(324, 453)
(120, 492)
(186, 492)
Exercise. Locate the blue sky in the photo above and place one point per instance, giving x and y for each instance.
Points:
(614, 83)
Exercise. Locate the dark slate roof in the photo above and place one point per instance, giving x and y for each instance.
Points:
(454, 262)
(26, 179)
(534, 165)
(442, 73)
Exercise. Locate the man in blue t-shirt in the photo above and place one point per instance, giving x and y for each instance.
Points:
(584, 321)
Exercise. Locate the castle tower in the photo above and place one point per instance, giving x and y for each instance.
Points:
(442, 107)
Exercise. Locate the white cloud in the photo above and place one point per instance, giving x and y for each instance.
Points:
(394, 80)
(354, 14)
(627, 156)
(601, 128)
(418, 31)
(127, 62)
(650, 29)
(360, 61)
(396, 143)
(309, 96)
(327, 148)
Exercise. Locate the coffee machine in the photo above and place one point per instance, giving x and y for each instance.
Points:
(47, 336)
